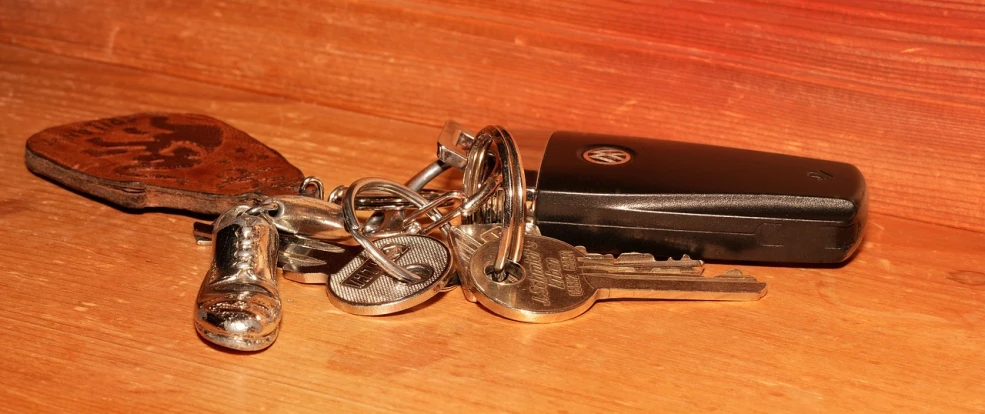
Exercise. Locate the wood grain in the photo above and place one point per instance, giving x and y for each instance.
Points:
(894, 87)
(98, 301)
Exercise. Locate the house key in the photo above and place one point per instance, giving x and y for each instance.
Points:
(554, 281)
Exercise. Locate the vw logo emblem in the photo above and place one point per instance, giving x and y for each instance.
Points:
(607, 156)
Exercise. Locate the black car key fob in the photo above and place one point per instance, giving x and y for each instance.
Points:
(617, 194)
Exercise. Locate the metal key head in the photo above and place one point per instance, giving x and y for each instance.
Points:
(537, 290)
(363, 288)
(555, 281)
(465, 240)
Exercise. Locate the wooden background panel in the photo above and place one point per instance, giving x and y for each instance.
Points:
(894, 88)
(98, 302)
(100, 299)
(889, 45)
(335, 145)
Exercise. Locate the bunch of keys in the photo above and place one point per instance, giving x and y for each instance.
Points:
(513, 250)
(504, 265)
(378, 268)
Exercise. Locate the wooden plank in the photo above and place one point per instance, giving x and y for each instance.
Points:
(893, 87)
(98, 302)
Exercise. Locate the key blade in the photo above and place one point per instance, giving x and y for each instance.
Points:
(294, 262)
(638, 263)
(730, 286)
(315, 249)
(378, 200)
(467, 238)
(311, 261)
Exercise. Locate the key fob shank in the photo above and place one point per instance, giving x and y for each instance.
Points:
(618, 194)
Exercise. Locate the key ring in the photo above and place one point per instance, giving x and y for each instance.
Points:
(354, 228)
(513, 213)
(316, 186)
(468, 204)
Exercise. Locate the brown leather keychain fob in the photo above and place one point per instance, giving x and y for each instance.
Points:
(188, 162)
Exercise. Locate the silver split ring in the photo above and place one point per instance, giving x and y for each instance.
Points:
(354, 228)
(513, 216)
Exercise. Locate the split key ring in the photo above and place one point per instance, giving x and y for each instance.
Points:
(514, 208)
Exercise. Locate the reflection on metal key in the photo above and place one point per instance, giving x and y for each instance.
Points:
(362, 287)
(465, 240)
(556, 281)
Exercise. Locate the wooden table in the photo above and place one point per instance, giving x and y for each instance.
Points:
(98, 301)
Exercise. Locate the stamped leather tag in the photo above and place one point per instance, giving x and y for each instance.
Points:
(182, 161)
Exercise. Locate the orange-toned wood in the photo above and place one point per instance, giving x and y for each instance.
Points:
(893, 87)
(97, 301)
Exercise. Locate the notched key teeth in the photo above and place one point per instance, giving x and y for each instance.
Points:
(630, 258)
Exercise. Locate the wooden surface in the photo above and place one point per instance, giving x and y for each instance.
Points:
(97, 309)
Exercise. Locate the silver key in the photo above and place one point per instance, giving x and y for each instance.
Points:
(311, 261)
(238, 305)
(555, 281)
(465, 240)
(363, 288)
(641, 263)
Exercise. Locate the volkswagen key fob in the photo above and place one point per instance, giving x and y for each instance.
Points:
(616, 194)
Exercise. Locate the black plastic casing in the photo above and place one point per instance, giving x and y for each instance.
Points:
(714, 203)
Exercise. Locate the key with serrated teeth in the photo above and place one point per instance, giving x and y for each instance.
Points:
(639, 263)
(553, 282)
